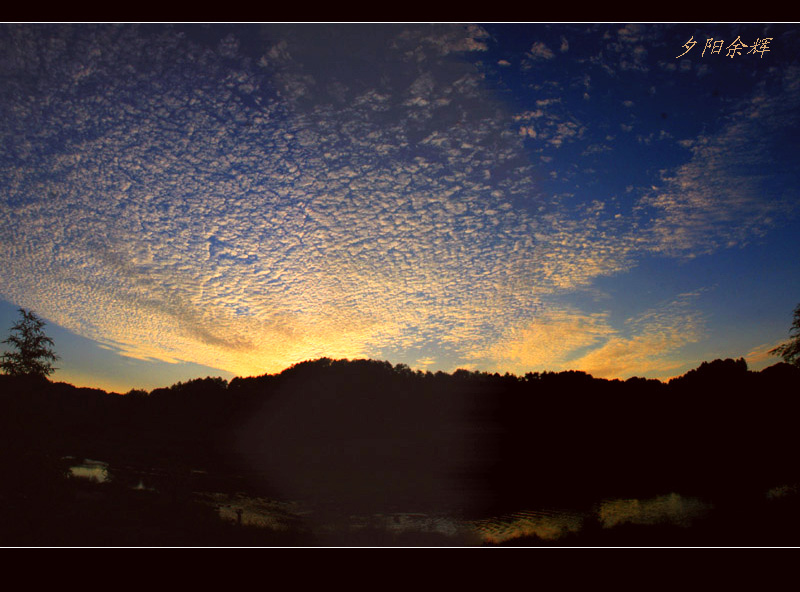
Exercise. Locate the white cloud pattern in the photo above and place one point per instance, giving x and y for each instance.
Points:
(250, 205)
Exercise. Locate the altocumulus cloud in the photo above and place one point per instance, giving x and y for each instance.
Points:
(181, 201)
(247, 202)
(724, 196)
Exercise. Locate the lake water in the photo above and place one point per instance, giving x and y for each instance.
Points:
(93, 470)
(545, 524)
(332, 526)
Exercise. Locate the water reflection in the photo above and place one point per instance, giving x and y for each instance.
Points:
(339, 526)
(666, 509)
(544, 525)
(140, 486)
(782, 491)
(547, 525)
(255, 511)
(331, 527)
(94, 470)
(554, 525)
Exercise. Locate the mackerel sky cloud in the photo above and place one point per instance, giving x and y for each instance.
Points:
(498, 197)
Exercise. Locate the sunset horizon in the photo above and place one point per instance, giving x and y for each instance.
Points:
(191, 200)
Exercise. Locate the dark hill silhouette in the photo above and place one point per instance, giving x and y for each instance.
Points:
(364, 436)
(369, 435)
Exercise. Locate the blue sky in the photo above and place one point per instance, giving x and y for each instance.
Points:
(185, 200)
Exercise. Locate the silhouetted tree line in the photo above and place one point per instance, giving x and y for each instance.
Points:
(364, 435)
(370, 433)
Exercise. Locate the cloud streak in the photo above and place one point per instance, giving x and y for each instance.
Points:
(568, 339)
(724, 196)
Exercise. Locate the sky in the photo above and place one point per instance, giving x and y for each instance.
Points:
(184, 200)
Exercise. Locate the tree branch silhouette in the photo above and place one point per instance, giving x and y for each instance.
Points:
(34, 354)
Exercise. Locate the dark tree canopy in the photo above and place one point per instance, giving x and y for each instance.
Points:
(790, 351)
(32, 353)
